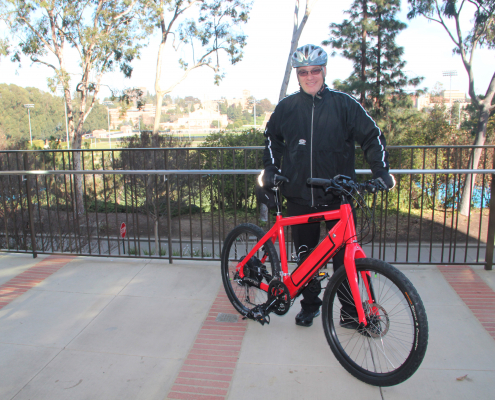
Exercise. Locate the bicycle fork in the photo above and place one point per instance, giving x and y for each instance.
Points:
(353, 251)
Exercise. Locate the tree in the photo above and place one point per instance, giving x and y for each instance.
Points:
(351, 36)
(105, 35)
(368, 39)
(386, 57)
(481, 33)
(296, 34)
(214, 30)
(4, 47)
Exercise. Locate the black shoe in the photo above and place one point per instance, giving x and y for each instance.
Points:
(305, 318)
(349, 322)
(372, 329)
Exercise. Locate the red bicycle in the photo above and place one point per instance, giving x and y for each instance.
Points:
(387, 340)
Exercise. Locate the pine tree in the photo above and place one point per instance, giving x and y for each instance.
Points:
(368, 38)
(351, 37)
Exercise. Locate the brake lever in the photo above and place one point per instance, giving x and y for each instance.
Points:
(279, 179)
(334, 186)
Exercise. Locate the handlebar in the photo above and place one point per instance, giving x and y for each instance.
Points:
(280, 179)
(341, 183)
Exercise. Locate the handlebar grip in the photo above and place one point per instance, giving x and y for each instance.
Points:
(319, 182)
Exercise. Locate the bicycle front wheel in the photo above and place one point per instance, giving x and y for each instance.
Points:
(262, 267)
(392, 346)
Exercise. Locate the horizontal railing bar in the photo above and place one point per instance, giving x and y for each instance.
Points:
(464, 146)
(231, 172)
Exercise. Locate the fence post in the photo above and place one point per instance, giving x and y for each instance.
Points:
(169, 212)
(491, 228)
(30, 207)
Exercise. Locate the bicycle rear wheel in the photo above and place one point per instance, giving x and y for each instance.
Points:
(392, 346)
(263, 267)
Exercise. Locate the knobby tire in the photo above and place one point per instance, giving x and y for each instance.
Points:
(392, 346)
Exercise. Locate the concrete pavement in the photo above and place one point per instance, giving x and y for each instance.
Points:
(102, 328)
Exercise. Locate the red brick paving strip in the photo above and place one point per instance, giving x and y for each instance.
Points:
(21, 283)
(478, 296)
(209, 367)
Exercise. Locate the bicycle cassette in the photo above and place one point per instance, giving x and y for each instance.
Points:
(278, 293)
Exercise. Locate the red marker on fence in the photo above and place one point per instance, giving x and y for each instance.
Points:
(123, 231)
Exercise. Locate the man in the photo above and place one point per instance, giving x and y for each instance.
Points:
(312, 134)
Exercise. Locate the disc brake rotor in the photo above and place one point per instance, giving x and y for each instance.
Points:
(377, 319)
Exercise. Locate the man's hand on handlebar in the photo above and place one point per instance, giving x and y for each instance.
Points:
(270, 177)
(385, 179)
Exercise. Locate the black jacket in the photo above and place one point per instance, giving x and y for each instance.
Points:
(315, 137)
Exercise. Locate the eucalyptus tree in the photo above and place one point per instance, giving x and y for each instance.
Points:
(470, 24)
(104, 35)
(210, 27)
(4, 47)
(296, 34)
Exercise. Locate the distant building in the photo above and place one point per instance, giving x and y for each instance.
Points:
(448, 98)
(454, 95)
(202, 119)
(126, 129)
(100, 133)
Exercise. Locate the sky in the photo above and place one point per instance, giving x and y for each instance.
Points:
(428, 52)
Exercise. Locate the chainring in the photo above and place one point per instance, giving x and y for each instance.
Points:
(278, 291)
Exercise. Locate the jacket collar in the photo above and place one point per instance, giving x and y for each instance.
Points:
(318, 95)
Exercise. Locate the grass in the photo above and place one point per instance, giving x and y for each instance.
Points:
(132, 251)
(163, 252)
(194, 252)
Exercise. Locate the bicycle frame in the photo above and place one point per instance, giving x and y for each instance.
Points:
(344, 232)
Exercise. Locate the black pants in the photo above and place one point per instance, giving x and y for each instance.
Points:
(309, 235)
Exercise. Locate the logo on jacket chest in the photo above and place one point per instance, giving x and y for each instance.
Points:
(302, 142)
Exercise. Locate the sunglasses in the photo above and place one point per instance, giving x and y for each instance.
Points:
(315, 71)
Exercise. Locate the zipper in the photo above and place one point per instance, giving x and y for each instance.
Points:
(311, 154)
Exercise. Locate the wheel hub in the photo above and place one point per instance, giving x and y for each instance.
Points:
(378, 321)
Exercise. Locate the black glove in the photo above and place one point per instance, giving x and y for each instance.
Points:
(386, 179)
(268, 176)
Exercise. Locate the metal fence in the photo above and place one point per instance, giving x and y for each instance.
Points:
(180, 203)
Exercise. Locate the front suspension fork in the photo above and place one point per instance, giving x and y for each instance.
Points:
(353, 251)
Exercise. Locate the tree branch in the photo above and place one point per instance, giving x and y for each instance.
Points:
(35, 60)
(186, 73)
(491, 90)
(33, 30)
(127, 11)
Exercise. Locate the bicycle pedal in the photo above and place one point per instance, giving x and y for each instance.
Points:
(258, 314)
(322, 275)
(263, 319)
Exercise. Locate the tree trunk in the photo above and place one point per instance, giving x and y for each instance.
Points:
(379, 66)
(475, 156)
(288, 70)
(363, 53)
(158, 89)
(157, 247)
(296, 34)
(293, 47)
